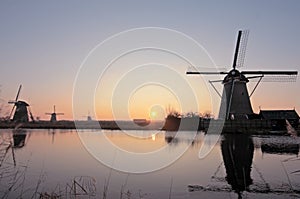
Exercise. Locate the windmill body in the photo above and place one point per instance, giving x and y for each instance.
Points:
(53, 117)
(21, 113)
(89, 118)
(235, 96)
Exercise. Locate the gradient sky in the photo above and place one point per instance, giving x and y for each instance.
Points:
(43, 44)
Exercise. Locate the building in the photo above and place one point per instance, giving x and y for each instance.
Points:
(278, 118)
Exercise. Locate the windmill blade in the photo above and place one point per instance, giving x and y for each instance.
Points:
(18, 93)
(30, 113)
(273, 76)
(48, 113)
(192, 70)
(59, 113)
(276, 78)
(237, 49)
(12, 110)
(205, 68)
(255, 77)
(242, 49)
(269, 72)
(205, 73)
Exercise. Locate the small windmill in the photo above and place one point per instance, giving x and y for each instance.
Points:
(53, 115)
(21, 109)
(235, 103)
(88, 117)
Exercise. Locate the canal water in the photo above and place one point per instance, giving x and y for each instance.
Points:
(146, 164)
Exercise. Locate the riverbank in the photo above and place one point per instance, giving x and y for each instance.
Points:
(110, 125)
(252, 127)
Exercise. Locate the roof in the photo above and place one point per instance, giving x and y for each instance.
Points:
(279, 114)
(21, 103)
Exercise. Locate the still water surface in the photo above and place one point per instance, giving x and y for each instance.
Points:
(56, 162)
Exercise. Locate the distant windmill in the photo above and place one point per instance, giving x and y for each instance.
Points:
(53, 115)
(22, 109)
(235, 98)
(88, 117)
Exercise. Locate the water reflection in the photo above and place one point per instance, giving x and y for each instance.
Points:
(172, 138)
(280, 146)
(19, 138)
(237, 153)
(239, 165)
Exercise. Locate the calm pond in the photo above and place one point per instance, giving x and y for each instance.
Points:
(146, 164)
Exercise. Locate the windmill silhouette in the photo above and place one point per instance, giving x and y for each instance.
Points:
(53, 115)
(21, 109)
(235, 103)
(88, 117)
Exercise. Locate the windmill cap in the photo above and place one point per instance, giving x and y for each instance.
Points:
(235, 74)
(21, 103)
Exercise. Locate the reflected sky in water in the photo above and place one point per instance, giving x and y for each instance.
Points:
(238, 166)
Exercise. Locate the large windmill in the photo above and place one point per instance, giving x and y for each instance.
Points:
(235, 103)
(53, 115)
(21, 109)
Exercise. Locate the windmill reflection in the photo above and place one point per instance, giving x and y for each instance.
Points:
(237, 152)
(19, 138)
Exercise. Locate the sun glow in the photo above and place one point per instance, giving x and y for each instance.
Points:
(153, 114)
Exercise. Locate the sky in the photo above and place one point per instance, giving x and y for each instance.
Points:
(45, 44)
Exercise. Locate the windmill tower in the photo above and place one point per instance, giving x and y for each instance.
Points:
(21, 109)
(235, 103)
(53, 115)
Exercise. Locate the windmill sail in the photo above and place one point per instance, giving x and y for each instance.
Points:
(237, 49)
(242, 49)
